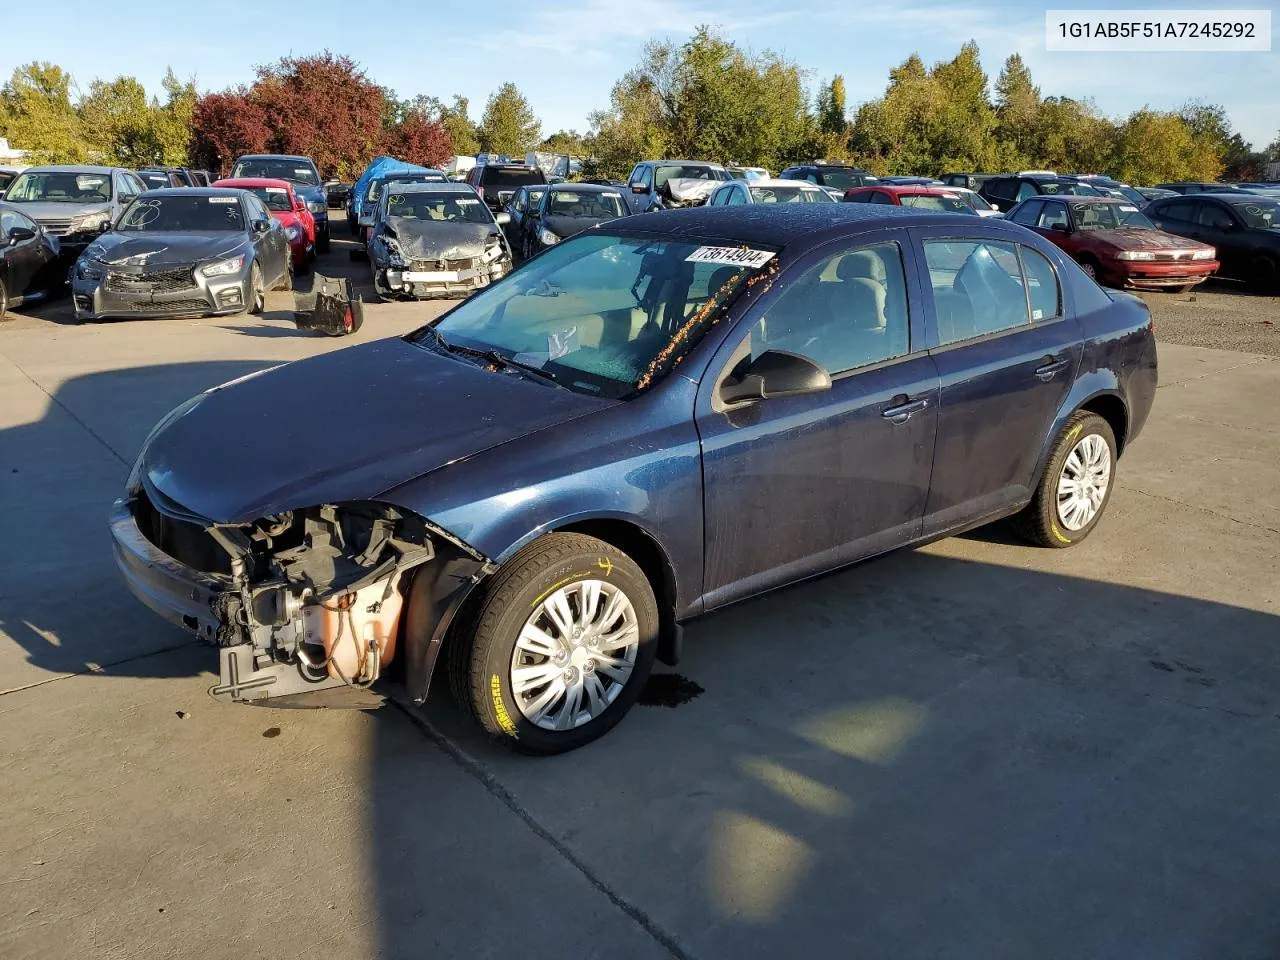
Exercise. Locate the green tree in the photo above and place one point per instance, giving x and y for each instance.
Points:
(509, 124)
(462, 130)
(119, 122)
(40, 117)
(1017, 114)
(831, 107)
(564, 141)
(1152, 147)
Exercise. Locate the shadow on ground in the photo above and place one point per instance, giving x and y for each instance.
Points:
(925, 756)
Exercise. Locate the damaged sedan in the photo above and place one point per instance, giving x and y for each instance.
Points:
(184, 252)
(433, 240)
(653, 419)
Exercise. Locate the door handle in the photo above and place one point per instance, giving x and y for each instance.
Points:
(901, 408)
(1049, 369)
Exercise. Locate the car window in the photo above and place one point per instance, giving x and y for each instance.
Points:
(1054, 214)
(1000, 189)
(737, 197)
(256, 210)
(1028, 212)
(857, 198)
(1184, 210)
(977, 288)
(846, 311)
(1026, 191)
(881, 197)
(1213, 216)
(642, 177)
(811, 176)
(1042, 285)
(518, 201)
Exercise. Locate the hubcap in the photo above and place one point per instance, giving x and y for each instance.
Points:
(1082, 485)
(574, 655)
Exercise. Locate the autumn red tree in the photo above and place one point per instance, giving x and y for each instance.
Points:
(225, 125)
(324, 107)
(417, 139)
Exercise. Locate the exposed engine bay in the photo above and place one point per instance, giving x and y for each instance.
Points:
(311, 599)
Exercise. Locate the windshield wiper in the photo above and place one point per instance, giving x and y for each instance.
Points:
(502, 360)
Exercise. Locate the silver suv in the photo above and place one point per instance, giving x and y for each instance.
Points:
(73, 203)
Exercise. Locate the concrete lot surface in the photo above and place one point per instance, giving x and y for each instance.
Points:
(972, 750)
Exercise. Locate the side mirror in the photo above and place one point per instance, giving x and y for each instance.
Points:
(502, 218)
(776, 373)
(299, 206)
(1061, 228)
(261, 226)
(638, 188)
(20, 234)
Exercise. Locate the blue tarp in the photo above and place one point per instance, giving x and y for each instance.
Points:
(377, 167)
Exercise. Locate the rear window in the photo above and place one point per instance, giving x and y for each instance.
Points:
(510, 178)
(841, 179)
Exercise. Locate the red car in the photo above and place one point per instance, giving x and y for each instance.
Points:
(1116, 244)
(936, 199)
(287, 207)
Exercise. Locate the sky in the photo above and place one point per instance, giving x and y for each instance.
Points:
(565, 56)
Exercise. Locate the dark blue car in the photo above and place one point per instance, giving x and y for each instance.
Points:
(656, 418)
(302, 173)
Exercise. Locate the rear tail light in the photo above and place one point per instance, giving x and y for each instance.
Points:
(479, 192)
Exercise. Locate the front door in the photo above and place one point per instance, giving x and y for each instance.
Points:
(1006, 354)
(797, 485)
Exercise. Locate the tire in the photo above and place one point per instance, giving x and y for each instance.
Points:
(483, 654)
(322, 241)
(4, 300)
(1044, 522)
(257, 290)
(1264, 271)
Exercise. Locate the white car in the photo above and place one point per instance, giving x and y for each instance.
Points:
(975, 200)
(737, 192)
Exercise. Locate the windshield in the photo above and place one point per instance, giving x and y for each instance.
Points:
(600, 313)
(415, 205)
(155, 181)
(1257, 213)
(1109, 216)
(796, 194)
(60, 187)
(841, 179)
(933, 201)
(1133, 196)
(1057, 187)
(598, 206)
(185, 214)
(297, 171)
(375, 188)
(510, 178)
(687, 172)
(276, 198)
(977, 201)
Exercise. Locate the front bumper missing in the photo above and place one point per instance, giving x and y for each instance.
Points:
(276, 641)
(427, 284)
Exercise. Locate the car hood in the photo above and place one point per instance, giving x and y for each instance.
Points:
(41, 210)
(565, 227)
(310, 193)
(159, 248)
(1145, 240)
(342, 426)
(441, 239)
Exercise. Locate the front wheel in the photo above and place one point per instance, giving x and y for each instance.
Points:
(1076, 485)
(558, 646)
(4, 300)
(1090, 269)
(257, 289)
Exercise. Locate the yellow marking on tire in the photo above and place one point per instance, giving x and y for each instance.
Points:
(605, 564)
(505, 723)
(553, 588)
(1075, 431)
(1053, 528)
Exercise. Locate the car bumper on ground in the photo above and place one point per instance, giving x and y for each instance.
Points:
(422, 283)
(1157, 275)
(205, 296)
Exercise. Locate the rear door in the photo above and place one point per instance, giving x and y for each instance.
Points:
(1006, 355)
(1215, 224)
(798, 485)
(23, 261)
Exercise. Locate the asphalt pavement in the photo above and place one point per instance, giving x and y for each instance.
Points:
(976, 749)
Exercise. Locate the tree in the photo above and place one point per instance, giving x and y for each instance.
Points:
(418, 139)
(1209, 123)
(322, 106)
(119, 122)
(226, 125)
(1152, 147)
(831, 108)
(463, 133)
(509, 125)
(1017, 113)
(564, 141)
(39, 116)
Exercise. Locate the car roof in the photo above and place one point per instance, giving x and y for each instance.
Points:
(687, 163)
(803, 224)
(909, 189)
(1230, 196)
(272, 156)
(1073, 198)
(195, 192)
(776, 182)
(573, 187)
(235, 183)
(404, 174)
(72, 168)
(447, 186)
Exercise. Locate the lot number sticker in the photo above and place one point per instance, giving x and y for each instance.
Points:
(733, 256)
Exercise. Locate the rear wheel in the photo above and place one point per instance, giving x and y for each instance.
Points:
(1265, 272)
(4, 300)
(1090, 268)
(1076, 485)
(559, 645)
(257, 289)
